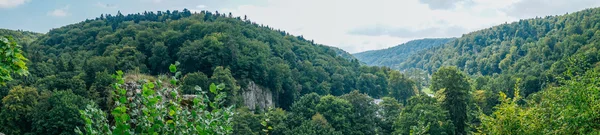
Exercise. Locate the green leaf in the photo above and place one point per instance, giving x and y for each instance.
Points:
(151, 85)
(221, 86)
(123, 100)
(178, 74)
(198, 88)
(174, 81)
(171, 113)
(196, 101)
(172, 68)
(213, 88)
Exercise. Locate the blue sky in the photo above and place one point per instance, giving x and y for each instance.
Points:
(353, 25)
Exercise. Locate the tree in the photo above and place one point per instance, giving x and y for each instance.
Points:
(101, 90)
(454, 88)
(423, 115)
(11, 59)
(59, 113)
(160, 59)
(363, 115)
(389, 109)
(304, 108)
(223, 76)
(191, 80)
(335, 110)
(318, 125)
(246, 122)
(18, 109)
(400, 87)
(158, 109)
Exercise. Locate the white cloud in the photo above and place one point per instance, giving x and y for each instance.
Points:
(533, 8)
(61, 12)
(384, 23)
(12, 3)
(201, 6)
(442, 4)
(103, 5)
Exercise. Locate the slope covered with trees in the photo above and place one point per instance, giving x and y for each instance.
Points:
(71, 67)
(394, 56)
(543, 70)
(288, 65)
(343, 53)
(533, 49)
(23, 38)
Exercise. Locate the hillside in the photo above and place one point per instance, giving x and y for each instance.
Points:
(537, 50)
(343, 54)
(260, 67)
(178, 72)
(279, 63)
(394, 56)
(22, 37)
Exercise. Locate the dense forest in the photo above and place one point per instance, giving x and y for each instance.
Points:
(178, 72)
(536, 67)
(394, 56)
(73, 64)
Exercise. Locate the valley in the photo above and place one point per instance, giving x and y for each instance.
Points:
(185, 72)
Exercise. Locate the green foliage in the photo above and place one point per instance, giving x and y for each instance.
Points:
(567, 109)
(343, 54)
(20, 36)
(246, 122)
(17, 110)
(363, 117)
(336, 110)
(546, 69)
(394, 56)
(317, 126)
(148, 42)
(273, 122)
(160, 109)
(80, 57)
(400, 87)
(389, 109)
(305, 107)
(454, 90)
(191, 80)
(11, 60)
(58, 113)
(423, 115)
(536, 50)
(223, 76)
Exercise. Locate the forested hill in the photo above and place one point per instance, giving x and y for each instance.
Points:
(343, 54)
(532, 46)
(289, 66)
(394, 56)
(20, 36)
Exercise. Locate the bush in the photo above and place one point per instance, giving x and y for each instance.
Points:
(158, 109)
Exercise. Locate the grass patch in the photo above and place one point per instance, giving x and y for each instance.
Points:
(427, 91)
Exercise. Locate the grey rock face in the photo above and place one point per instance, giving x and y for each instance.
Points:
(256, 96)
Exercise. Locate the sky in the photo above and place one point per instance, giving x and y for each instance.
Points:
(352, 25)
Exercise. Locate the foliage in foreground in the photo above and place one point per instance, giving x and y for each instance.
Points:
(11, 59)
(160, 109)
(569, 109)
